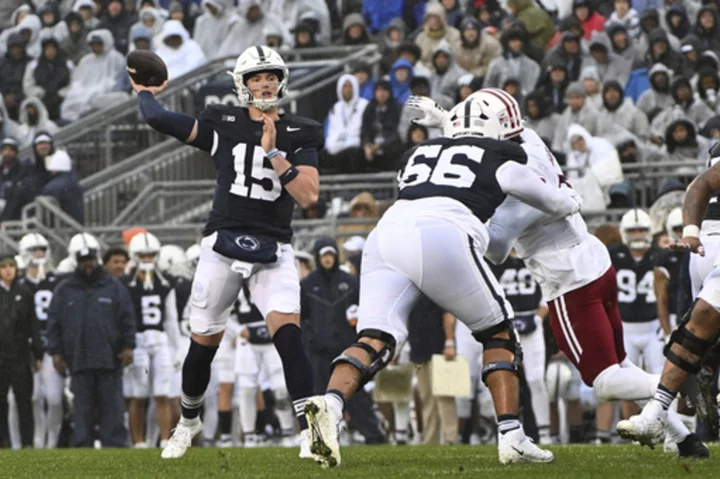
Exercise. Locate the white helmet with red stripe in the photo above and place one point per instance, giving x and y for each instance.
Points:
(468, 118)
(502, 104)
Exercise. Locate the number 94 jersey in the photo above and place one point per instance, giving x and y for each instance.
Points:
(636, 284)
(462, 169)
(249, 196)
(149, 304)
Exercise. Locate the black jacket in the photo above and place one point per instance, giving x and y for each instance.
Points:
(381, 122)
(12, 69)
(64, 187)
(18, 187)
(90, 321)
(326, 297)
(426, 334)
(119, 26)
(19, 324)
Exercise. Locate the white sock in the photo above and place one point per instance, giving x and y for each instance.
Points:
(248, 410)
(402, 416)
(336, 404)
(629, 383)
(283, 410)
(689, 421)
(540, 405)
(54, 424)
(675, 428)
(40, 424)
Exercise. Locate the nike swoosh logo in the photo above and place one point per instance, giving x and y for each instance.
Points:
(289, 128)
(522, 453)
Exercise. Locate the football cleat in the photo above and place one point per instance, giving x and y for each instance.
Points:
(182, 438)
(323, 431)
(515, 447)
(253, 440)
(693, 447)
(644, 430)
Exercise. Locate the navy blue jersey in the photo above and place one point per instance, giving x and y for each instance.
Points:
(42, 294)
(249, 316)
(149, 304)
(713, 208)
(249, 197)
(462, 169)
(669, 263)
(636, 284)
(182, 287)
(521, 291)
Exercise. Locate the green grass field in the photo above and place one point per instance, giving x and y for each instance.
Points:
(577, 462)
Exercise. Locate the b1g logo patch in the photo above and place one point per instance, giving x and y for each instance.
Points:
(248, 243)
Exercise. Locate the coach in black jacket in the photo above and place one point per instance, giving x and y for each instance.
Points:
(91, 335)
(328, 310)
(19, 336)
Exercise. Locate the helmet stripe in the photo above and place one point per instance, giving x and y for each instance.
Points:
(261, 53)
(468, 106)
(509, 105)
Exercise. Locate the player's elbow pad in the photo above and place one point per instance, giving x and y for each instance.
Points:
(177, 125)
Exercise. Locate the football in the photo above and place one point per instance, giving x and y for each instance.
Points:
(146, 68)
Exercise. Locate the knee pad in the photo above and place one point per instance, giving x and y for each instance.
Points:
(488, 341)
(378, 360)
(692, 344)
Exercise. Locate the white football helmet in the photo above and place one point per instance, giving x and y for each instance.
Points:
(258, 59)
(145, 243)
(558, 378)
(674, 220)
(172, 260)
(502, 105)
(636, 219)
(468, 118)
(82, 241)
(193, 255)
(30, 242)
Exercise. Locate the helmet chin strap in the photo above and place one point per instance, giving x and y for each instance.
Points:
(148, 269)
(39, 263)
(638, 244)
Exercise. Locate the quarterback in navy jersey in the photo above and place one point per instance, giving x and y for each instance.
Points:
(266, 161)
(48, 384)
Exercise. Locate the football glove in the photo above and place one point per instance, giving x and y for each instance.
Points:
(433, 114)
(575, 196)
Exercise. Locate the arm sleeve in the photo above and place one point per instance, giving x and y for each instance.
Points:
(53, 334)
(127, 317)
(506, 225)
(172, 324)
(522, 183)
(177, 125)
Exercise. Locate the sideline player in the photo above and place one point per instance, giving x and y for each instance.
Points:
(49, 384)
(265, 163)
(431, 240)
(699, 329)
(633, 261)
(525, 297)
(573, 269)
(157, 339)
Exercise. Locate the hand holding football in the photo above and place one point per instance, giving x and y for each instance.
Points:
(146, 68)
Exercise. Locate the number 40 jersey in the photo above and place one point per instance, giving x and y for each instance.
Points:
(249, 197)
(636, 284)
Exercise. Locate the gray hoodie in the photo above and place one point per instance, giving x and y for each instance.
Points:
(444, 86)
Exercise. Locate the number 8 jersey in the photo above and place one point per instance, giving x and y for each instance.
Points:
(463, 169)
(636, 284)
(249, 197)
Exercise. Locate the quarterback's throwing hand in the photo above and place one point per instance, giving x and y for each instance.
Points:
(688, 243)
(432, 113)
(269, 134)
(152, 89)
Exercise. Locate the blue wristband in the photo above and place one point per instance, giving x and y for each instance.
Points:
(272, 153)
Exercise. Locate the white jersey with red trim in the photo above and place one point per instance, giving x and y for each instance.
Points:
(560, 252)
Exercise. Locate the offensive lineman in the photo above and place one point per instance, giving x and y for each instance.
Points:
(431, 240)
(525, 297)
(157, 339)
(573, 269)
(699, 329)
(265, 161)
(49, 385)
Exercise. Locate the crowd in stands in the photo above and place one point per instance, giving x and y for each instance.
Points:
(612, 76)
